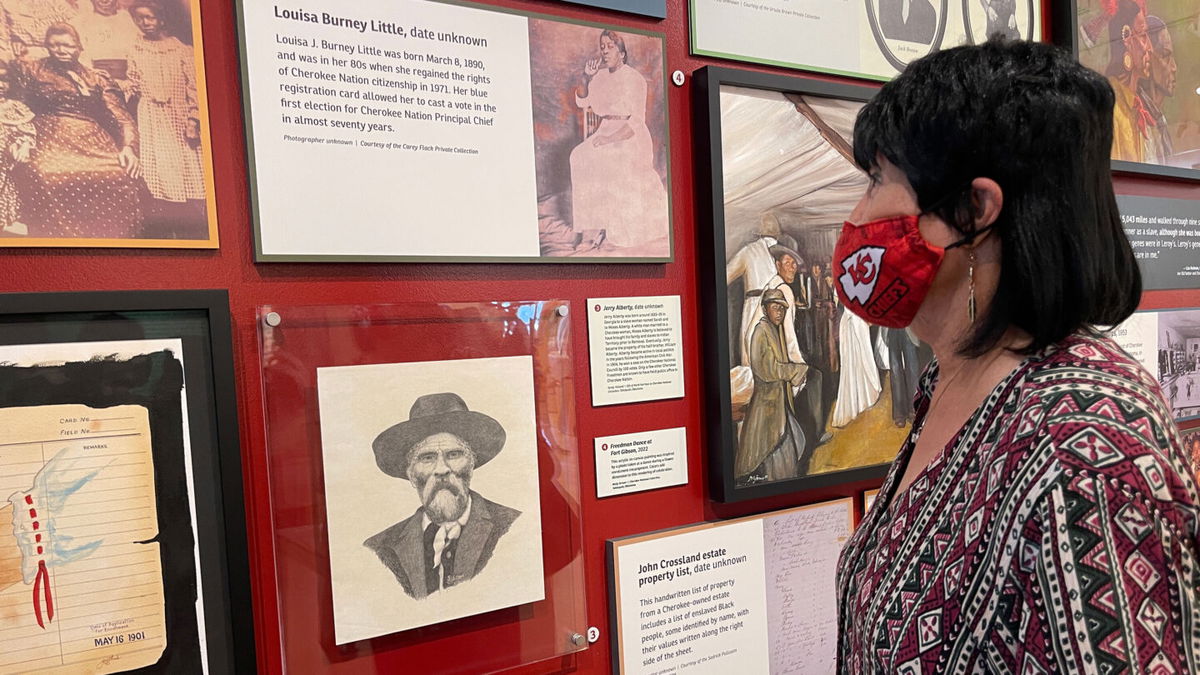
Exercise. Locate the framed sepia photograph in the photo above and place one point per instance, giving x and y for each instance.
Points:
(104, 133)
(122, 528)
(1150, 52)
(805, 394)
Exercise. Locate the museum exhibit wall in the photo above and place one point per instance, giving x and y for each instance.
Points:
(232, 266)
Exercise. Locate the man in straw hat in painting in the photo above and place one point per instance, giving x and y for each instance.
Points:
(453, 533)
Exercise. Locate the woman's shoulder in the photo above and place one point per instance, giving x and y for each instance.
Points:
(1105, 419)
(1092, 363)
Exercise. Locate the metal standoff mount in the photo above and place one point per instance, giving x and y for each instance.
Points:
(563, 310)
(272, 319)
(577, 639)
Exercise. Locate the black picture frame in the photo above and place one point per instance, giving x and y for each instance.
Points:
(707, 84)
(1065, 33)
(200, 319)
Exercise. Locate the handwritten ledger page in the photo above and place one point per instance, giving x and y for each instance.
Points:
(802, 548)
(81, 587)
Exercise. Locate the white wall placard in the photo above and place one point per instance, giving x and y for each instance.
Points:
(635, 348)
(1138, 336)
(875, 39)
(643, 461)
(416, 130)
(754, 595)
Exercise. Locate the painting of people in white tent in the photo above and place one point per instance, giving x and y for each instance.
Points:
(814, 388)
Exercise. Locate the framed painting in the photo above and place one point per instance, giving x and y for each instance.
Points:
(122, 530)
(808, 396)
(1150, 52)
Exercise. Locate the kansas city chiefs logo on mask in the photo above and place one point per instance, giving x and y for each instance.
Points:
(884, 268)
(861, 273)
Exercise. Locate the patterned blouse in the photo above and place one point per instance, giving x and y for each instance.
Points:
(1055, 533)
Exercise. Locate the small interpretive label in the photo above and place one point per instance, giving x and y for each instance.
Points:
(636, 349)
(643, 461)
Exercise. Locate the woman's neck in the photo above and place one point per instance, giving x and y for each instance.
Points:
(951, 361)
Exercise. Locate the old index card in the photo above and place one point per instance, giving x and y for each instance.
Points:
(81, 587)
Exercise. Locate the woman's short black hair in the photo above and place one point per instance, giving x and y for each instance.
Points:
(1030, 117)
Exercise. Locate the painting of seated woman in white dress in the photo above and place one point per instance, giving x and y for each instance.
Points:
(601, 142)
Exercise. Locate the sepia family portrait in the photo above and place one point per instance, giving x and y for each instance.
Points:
(814, 388)
(102, 123)
(431, 491)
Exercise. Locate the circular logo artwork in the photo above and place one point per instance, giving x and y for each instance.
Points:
(906, 30)
(984, 18)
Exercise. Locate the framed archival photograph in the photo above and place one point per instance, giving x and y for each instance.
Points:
(1150, 52)
(118, 154)
(874, 40)
(413, 130)
(1178, 366)
(424, 475)
(809, 396)
(122, 530)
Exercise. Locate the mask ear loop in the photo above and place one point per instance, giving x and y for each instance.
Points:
(968, 237)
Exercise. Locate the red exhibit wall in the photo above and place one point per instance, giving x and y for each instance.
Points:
(250, 284)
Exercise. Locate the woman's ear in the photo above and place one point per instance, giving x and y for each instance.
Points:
(986, 201)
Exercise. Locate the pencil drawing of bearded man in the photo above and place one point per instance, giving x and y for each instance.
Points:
(451, 536)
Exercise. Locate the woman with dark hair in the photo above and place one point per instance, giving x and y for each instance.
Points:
(1041, 517)
(614, 185)
(81, 180)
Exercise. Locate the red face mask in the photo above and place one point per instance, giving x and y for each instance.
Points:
(883, 269)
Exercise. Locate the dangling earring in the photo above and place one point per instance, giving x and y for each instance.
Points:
(971, 280)
(1127, 62)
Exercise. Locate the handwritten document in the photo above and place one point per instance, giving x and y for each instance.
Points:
(802, 548)
(81, 586)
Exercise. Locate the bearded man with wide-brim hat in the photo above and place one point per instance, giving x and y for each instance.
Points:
(451, 536)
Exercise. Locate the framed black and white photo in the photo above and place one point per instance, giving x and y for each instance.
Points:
(123, 544)
(813, 397)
